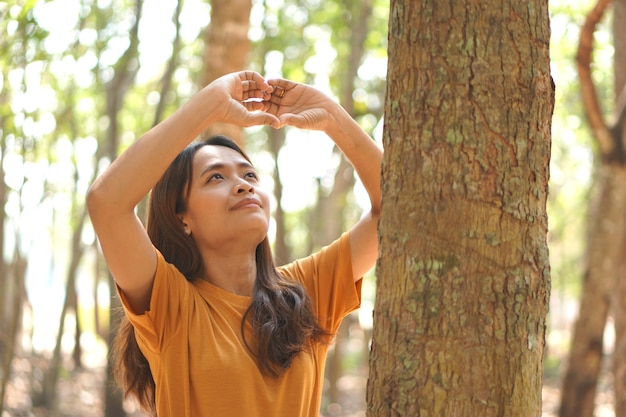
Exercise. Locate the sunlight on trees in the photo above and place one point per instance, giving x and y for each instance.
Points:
(56, 58)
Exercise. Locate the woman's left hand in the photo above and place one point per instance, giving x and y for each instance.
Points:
(300, 105)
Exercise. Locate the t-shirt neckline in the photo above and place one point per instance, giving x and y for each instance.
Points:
(216, 292)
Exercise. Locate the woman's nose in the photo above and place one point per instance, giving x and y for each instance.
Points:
(244, 187)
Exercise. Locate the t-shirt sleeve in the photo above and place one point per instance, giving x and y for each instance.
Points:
(170, 291)
(328, 278)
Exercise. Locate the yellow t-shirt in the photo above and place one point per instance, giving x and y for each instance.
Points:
(192, 339)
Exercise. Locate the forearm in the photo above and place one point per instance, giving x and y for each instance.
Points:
(362, 151)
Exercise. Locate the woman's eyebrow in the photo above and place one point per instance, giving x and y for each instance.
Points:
(221, 165)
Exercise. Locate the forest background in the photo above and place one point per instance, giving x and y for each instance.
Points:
(80, 80)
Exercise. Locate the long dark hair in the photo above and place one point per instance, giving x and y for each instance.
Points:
(281, 314)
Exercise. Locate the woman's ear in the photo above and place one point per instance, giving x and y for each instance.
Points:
(185, 225)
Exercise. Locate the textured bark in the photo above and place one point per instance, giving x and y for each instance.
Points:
(463, 272)
(226, 50)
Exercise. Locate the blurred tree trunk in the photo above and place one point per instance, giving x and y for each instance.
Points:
(331, 211)
(16, 296)
(172, 64)
(3, 201)
(619, 130)
(49, 397)
(67, 118)
(619, 367)
(13, 295)
(125, 71)
(275, 142)
(6, 295)
(5, 355)
(606, 235)
(282, 252)
(463, 273)
(101, 329)
(226, 50)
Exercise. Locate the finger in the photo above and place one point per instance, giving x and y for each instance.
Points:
(281, 87)
(279, 91)
(279, 82)
(253, 91)
(255, 80)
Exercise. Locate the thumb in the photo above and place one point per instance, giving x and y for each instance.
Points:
(291, 119)
(262, 118)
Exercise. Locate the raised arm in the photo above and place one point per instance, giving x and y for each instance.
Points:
(305, 107)
(113, 196)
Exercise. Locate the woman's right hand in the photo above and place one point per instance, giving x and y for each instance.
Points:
(241, 98)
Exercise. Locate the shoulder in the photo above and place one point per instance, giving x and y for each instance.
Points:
(327, 261)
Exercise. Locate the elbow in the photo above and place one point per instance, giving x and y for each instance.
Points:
(376, 209)
(97, 202)
(93, 201)
(374, 214)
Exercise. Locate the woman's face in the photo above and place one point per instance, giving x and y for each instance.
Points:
(226, 205)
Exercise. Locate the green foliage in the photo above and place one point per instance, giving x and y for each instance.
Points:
(310, 41)
(573, 146)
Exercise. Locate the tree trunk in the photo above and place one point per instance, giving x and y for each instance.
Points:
(463, 272)
(172, 64)
(4, 314)
(330, 212)
(51, 377)
(604, 283)
(124, 76)
(619, 131)
(226, 50)
(17, 294)
(3, 201)
(606, 232)
(282, 252)
(113, 401)
(619, 367)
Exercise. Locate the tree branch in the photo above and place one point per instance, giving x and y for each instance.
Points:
(589, 94)
(619, 117)
(166, 85)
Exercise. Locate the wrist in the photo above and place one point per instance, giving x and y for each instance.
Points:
(338, 120)
(207, 103)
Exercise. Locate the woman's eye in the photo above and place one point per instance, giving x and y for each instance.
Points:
(215, 177)
(252, 175)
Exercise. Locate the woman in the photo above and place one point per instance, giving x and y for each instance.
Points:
(215, 329)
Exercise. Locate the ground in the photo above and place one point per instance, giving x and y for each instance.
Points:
(81, 393)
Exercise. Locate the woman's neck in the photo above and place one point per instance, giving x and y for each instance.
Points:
(233, 272)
